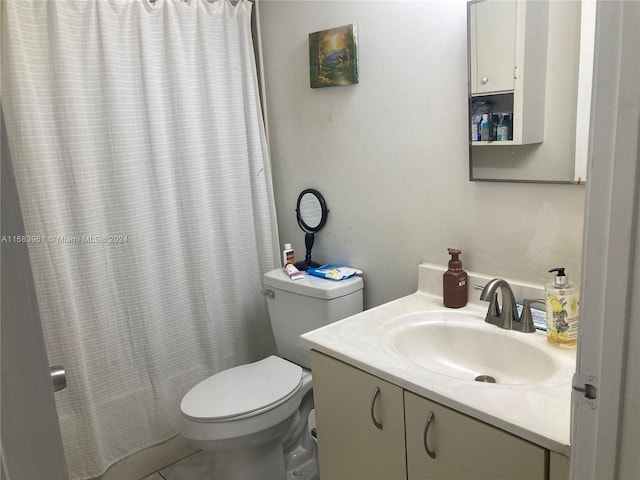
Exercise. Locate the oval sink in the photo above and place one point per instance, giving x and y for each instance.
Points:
(467, 350)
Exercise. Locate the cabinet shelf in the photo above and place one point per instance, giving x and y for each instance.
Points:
(494, 143)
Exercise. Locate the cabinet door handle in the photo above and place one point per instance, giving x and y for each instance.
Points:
(485, 79)
(430, 418)
(376, 394)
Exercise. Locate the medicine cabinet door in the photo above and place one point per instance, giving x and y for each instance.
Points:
(493, 46)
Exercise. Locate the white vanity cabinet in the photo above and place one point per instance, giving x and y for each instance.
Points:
(348, 403)
(464, 448)
(370, 428)
(507, 65)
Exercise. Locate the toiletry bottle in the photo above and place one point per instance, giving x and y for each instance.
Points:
(293, 272)
(454, 282)
(474, 129)
(287, 255)
(494, 121)
(485, 127)
(563, 310)
(503, 128)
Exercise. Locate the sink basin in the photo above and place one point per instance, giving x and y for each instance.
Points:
(449, 344)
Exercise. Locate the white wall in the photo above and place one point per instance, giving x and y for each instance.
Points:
(390, 154)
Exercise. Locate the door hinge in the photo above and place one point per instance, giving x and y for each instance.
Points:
(515, 72)
(58, 377)
(585, 390)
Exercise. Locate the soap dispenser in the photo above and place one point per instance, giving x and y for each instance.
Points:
(454, 282)
(563, 310)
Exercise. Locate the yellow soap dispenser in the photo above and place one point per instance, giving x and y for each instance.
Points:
(563, 310)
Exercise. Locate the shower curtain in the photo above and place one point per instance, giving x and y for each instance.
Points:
(140, 158)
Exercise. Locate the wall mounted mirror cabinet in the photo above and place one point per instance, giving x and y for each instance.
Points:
(530, 67)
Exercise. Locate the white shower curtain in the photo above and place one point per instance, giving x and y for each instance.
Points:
(139, 152)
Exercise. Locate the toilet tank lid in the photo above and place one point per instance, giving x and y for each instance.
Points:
(313, 286)
(243, 389)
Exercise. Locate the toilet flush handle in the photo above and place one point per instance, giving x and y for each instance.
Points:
(269, 293)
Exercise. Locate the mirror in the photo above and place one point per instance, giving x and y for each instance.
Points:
(559, 153)
(311, 213)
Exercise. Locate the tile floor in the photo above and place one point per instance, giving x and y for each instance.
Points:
(194, 467)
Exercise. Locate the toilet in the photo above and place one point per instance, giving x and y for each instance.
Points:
(255, 416)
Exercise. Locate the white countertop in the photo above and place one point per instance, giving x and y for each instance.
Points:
(539, 412)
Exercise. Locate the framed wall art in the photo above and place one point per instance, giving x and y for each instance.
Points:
(333, 56)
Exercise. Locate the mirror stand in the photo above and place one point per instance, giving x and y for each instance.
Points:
(307, 263)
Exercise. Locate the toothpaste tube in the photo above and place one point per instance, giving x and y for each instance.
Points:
(293, 272)
(334, 272)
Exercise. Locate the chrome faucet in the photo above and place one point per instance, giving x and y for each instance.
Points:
(506, 317)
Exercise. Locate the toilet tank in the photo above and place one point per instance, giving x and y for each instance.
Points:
(299, 306)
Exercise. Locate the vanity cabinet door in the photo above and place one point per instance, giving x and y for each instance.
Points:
(465, 448)
(359, 421)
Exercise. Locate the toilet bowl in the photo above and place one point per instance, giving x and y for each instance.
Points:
(254, 416)
(250, 414)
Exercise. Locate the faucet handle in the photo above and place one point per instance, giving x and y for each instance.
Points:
(525, 324)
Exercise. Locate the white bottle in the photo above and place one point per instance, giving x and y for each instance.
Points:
(563, 311)
(485, 128)
(287, 255)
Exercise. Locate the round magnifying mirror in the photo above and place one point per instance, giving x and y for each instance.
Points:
(311, 212)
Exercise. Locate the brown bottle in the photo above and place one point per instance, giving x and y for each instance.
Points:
(454, 282)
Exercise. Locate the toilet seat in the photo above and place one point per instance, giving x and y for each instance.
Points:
(243, 391)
